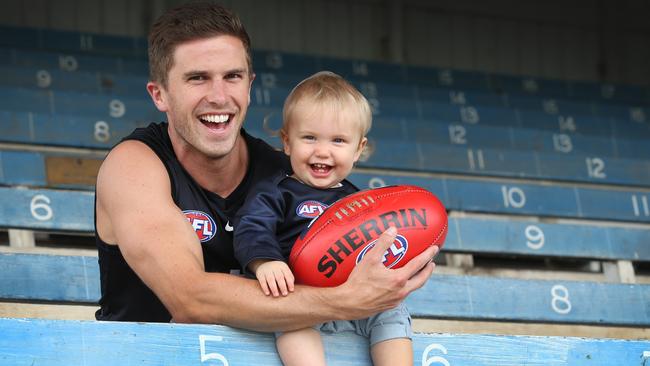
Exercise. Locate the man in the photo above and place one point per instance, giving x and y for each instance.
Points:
(166, 194)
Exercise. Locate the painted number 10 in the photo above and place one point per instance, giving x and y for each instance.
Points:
(513, 197)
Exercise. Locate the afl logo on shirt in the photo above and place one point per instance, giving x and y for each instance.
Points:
(202, 224)
(310, 209)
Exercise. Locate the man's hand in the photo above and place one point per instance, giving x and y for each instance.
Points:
(275, 277)
(372, 288)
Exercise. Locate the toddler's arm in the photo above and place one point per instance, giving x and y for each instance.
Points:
(275, 277)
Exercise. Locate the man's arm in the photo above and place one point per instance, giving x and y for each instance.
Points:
(135, 209)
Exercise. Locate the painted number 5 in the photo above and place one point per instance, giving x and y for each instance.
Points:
(211, 356)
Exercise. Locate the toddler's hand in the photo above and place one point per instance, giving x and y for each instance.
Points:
(275, 277)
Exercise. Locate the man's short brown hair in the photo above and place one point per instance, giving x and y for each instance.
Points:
(187, 22)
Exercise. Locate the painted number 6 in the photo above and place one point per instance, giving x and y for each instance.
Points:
(428, 361)
(40, 208)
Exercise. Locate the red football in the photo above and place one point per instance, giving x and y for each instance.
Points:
(326, 253)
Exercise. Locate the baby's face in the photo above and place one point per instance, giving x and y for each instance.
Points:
(323, 144)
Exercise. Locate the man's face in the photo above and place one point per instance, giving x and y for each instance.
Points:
(207, 94)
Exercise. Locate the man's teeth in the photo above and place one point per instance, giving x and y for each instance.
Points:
(215, 118)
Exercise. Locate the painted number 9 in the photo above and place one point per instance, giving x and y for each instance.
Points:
(68, 63)
(534, 237)
(376, 182)
(43, 79)
(560, 302)
(116, 108)
(40, 208)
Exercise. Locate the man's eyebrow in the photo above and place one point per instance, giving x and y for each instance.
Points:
(194, 73)
(236, 71)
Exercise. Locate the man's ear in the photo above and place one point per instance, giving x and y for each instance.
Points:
(157, 93)
(250, 87)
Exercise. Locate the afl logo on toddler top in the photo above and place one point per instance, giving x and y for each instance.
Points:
(310, 209)
(202, 224)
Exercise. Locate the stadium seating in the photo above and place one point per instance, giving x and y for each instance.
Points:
(529, 168)
(86, 342)
(75, 279)
(66, 210)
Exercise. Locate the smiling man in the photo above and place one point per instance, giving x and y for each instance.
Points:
(166, 194)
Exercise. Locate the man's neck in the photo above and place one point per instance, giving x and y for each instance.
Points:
(218, 175)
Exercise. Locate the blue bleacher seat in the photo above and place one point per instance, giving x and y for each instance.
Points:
(492, 298)
(593, 169)
(65, 130)
(495, 196)
(364, 70)
(389, 129)
(528, 198)
(504, 236)
(269, 97)
(284, 62)
(46, 209)
(66, 342)
(394, 107)
(80, 104)
(519, 86)
(460, 97)
(447, 78)
(552, 106)
(73, 62)
(608, 93)
(37, 277)
(61, 40)
(273, 79)
(586, 125)
(380, 90)
(22, 168)
(75, 81)
(75, 279)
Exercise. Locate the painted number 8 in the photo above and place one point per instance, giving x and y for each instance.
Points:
(102, 131)
(560, 302)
